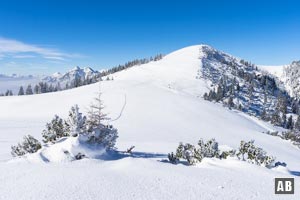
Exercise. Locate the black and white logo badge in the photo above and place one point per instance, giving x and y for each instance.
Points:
(284, 186)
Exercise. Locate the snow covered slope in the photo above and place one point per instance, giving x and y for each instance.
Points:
(154, 107)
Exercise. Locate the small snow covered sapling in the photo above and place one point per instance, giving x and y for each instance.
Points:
(76, 122)
(97, 132)
(28, 145)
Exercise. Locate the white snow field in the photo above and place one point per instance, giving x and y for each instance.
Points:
(154, 107)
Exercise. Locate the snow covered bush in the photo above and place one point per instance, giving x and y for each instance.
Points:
(54, 130)
(76, 122)
(173, 158)
(187, 152)
(294, 136)
(194, 154)
(224, 155)
(28, 145)
(106, 136)
(248, 151)
(210, 148)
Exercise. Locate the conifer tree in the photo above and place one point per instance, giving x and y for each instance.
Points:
(76, 123)
(28, 145)
(36, 89)
(21, 91)
(96, 114)
(297, 124)
(290, 123)
(29, 90)
(54, 130)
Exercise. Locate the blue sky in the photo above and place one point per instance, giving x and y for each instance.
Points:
(41, 37)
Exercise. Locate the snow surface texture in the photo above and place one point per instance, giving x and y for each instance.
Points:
(154, 107)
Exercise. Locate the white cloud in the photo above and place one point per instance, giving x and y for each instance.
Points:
(17, 49)
(24, 56)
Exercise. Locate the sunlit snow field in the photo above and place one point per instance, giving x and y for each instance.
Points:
(154, 107)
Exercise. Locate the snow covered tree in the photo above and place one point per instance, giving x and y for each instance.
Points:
(295, 106)
(276, 119)
(54, 130)
(297, 123)
(282, 104)
(98, 133)
(290, 123)
(220, 93)
(179, 150)
(8, 93)
(28, 145)
(21, 91)
(29, 90)
(76, 122)
(230, 102)
(36, 89)
(283, 121)
(96, 115)
(264, 115)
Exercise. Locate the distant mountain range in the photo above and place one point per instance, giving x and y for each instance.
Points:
(71, 75)
(14, 81)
